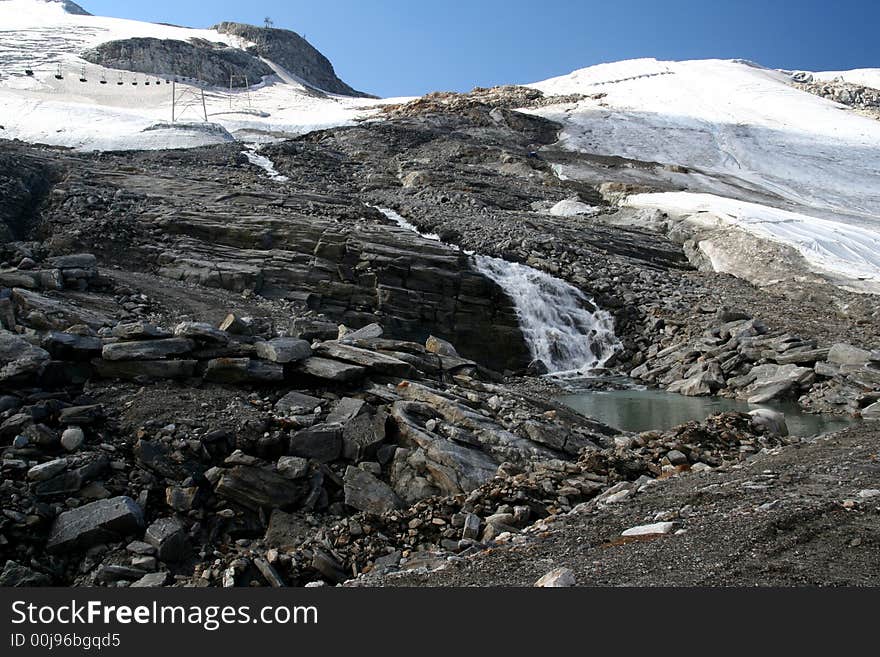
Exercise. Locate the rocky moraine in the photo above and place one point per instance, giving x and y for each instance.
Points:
(212, 378)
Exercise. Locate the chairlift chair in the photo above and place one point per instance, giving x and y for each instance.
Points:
(59, 75)
(120, 82)
(29, 72)
(103, 79)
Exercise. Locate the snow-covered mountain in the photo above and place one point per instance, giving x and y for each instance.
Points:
(67, 101)
(752, 152)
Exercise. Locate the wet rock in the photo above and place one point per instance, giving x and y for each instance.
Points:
(96, 522)
(257, 488)
(322, 443)
(558, 578)
(284, 350)
(365, 492)
(169, 538)
(537, 368)
(147, 349)
(331, 370)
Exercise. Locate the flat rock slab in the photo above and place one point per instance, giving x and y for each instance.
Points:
(284, 350)
(297, 403)
(331, 370)
(656, 529)
(372, 360)
(139, 331)
(147, 349)
(94, 523)
(129, 370)
(201, 332)
(258, 488)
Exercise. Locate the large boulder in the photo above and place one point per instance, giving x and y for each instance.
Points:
(257, 488)
(776, 381)
(94, 523)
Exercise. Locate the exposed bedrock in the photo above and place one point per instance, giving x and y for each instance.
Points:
(213, 63)
(293, 52)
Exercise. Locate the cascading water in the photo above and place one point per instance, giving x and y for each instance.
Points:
(562, 326)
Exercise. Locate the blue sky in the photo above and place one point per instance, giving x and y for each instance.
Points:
(397, 47)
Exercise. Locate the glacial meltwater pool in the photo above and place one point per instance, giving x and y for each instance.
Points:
(643, 410)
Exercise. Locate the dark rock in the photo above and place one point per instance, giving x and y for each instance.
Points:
(322, 443)
(16, 575)
(201, 332)
(365, 492)
(169, 538)
(243, 370)
(440, 346)
(139, 331)
(147, 349)
(371, 360)
(297, 403)
(130, 370)
(257, 488)
(93, 523)
(331, 370)
(284, 350)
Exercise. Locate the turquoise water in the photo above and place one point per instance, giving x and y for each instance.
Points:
(644, 410)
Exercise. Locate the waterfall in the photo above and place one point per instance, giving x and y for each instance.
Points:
(561, 325)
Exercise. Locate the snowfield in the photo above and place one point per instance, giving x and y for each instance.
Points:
(798, 169)
(112, 116)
